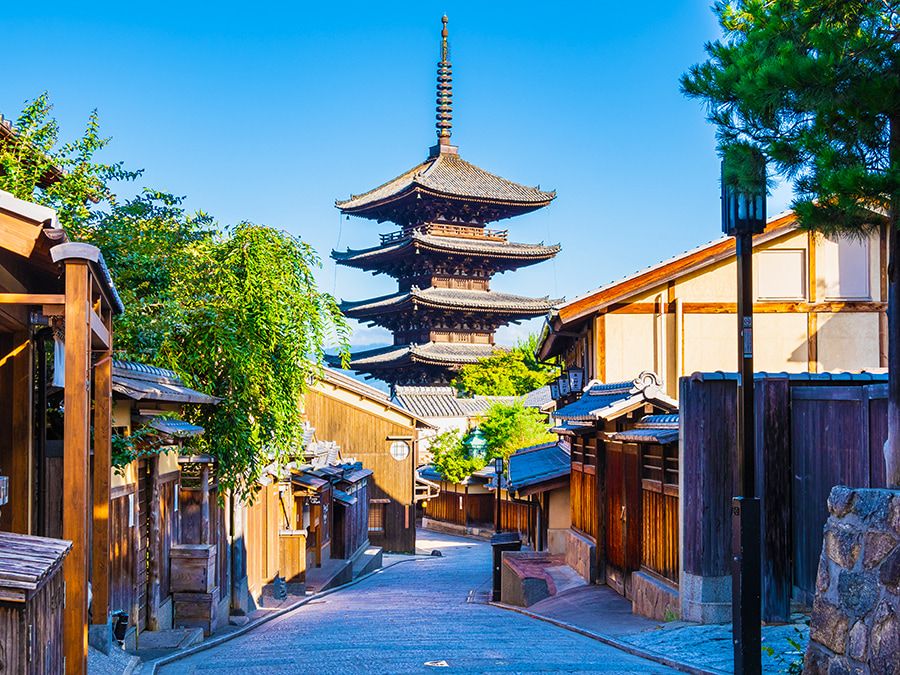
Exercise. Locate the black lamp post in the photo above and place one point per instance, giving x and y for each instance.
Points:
(498, 472)
(743, 215)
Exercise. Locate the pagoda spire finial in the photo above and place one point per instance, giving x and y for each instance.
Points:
(444, 90)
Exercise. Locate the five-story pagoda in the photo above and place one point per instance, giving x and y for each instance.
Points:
(444, 314)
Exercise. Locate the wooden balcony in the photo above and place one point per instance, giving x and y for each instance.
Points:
(445, 230)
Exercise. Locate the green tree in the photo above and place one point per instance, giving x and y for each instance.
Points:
(65, 176)
(508, 427)
(815, 85)
(512, 372)
(451, 458)
(253, 327)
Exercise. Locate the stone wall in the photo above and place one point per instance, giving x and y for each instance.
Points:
(581, 555)
(855, 625)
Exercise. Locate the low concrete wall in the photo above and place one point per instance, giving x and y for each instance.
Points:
(654, 598)
(855, 625)
(522, 582)
(453, 528)
(556, 540)
(581, 555)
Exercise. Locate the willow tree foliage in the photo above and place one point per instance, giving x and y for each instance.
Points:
(512, 372)
(815, 85)
(252, 330)
(236, 312)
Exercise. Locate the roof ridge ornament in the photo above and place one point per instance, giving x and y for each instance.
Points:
(444, 91)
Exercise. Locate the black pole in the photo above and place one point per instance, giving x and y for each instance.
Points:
(497, 523)
(746, 582)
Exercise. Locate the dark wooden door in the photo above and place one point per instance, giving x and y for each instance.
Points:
(829, 446)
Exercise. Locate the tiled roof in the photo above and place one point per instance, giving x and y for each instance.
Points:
(451, 298)
(439, 353)
(443, 402)
(529, 467)
(447, 245)
(651, 429)
(175, 427)
(539, 398)
(149, 383)
(607, 401)
(449, 175)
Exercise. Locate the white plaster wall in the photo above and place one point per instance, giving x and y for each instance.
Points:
(630, 345)
(710, 342)
(560, 514)
(779, 342)
(848, 341)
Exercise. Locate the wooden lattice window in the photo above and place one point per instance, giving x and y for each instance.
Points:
(376, 517)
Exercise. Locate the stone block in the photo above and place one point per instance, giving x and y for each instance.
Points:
(705, 599)
(828, 626)
(840, 501)
(877, 546)
(894, 517)
(581, 555)
(884, 646)
(873, 506)
(859, 640)
(654, 598)
(889, 575)
(857, 593)
(823, 577)
(842, 545)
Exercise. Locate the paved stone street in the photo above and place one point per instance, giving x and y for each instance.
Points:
(411, 614)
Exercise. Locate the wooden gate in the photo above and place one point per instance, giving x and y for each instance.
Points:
(837, 434)
(623, 515)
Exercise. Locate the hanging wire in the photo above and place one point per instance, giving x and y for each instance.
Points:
(337, 247)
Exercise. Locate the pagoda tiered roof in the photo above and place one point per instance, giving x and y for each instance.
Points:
(430, 353)
(446, 185)
(510, 255)
(450, 299)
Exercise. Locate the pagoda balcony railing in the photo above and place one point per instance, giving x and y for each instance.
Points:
(445, 230)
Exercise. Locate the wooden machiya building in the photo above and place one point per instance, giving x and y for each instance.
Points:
(57, 301)
(384, 438)
(444, 256)
(623, 484)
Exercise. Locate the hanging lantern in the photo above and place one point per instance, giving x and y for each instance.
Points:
(554, 390)
(576, 379)
(564, 388)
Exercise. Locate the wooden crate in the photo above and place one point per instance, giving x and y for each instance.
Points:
(196, 610)
(192, 568)
(31, 604)
(292, 555)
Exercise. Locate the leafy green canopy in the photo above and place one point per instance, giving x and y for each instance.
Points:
(508, 427)
(814, 84)
(236, 312)
(451, 458)
(506, 373)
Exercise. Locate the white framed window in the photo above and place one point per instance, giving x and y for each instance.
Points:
(399, 450)
(845, 268)
(780, 274)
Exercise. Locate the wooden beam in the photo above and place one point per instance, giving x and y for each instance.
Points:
(32, 299)
(812, 344)
(18, 235)
(799, 307)
(600, 338)
(102, 468)
(76, 435)
(812, 321)
(100, 334)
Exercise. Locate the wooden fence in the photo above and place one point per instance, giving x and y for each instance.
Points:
(456, 506)
(812, 432)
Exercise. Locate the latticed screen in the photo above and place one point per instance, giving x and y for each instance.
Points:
(376, 517)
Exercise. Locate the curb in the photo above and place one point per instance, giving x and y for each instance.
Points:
(215, 642)
(613, 642)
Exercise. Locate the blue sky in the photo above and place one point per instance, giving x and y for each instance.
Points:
(268, 112)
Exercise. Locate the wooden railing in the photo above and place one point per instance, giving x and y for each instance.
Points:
(444, 230)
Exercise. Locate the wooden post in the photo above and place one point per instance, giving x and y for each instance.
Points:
(153, 552)
(102, 467)
(20, 479)
(76, 493)
(204, 503)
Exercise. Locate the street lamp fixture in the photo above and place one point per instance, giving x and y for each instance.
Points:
(576, 379)
(563, 382)
(743, 215)
(498, 474)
